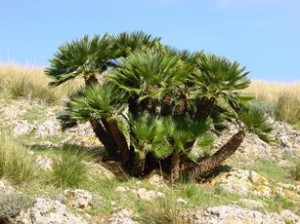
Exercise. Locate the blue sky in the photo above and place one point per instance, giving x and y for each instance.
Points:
(263, 35)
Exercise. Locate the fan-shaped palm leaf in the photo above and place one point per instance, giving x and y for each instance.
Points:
(82, 57)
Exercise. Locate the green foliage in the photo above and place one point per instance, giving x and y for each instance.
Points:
(264, 106)
(82, 57)
(16, 164)
(161, 99)
(69, 169)
(11, 205)
(256, 121)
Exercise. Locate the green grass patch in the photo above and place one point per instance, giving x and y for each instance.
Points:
(271, 171)
(16, 163)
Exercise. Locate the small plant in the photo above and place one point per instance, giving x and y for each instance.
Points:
(264, 106)
(11, 205)
(69, 169)
(16, 164)
(165, 211)
(295, 171)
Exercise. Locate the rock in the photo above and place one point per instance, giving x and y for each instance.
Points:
(122, 189)
(97, 169)
(4, 189)
(122, 217)
(22, 128)
(48, 128)
(181, 201)
(289, 216)
(156, 178)
(46, 211)
(147, 195)
(243, 182)
(44, 162)
(79, 199)
(236, 215)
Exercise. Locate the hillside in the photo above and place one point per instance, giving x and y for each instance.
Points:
(52, 176)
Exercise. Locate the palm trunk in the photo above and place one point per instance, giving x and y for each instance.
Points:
(206, 167)
(204, 108)
(103, 133)
(104, 137)
(175, 167)
(119, 139)
(138, 169)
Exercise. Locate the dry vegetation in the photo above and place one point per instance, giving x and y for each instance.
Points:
(283, 98)
(29, 82)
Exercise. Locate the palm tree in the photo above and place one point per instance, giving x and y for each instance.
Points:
(155, 102)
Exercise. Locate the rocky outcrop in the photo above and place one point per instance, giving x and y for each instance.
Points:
(46, 211)
(78, 198)
(142, 193)
(231, 214)
(245, 182)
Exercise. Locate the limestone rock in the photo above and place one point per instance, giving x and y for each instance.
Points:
(50, 127)
(289, 216)
(231, 215)
(4, 189)
(46, 211)
(79, 198)
(22, 128)
(147, 195)
(123, 217)
(44, 162)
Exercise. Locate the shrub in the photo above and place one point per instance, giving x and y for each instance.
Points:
(264, 106)
(69, 169)
(16, 164)
(11, 205)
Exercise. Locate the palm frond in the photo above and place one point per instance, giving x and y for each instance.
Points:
(81, 57)
(256, 121)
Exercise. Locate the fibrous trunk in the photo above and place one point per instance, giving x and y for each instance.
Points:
(206, 166)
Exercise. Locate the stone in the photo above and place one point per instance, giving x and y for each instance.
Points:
(289, 216)
(22, 128)
(45, 211)
(181, 201)
(147, 195)
(4, 189)
(50, 127)
(123, 217)
(97, 169)
(44, 162)
(78, 198)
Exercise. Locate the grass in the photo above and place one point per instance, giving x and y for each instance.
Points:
(29, 82)
(69, 169)
(285, 98)
(16, 163)
(295, 171)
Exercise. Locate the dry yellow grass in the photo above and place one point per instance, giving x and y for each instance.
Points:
(285, 98)
(271, 91)
(30, 82)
